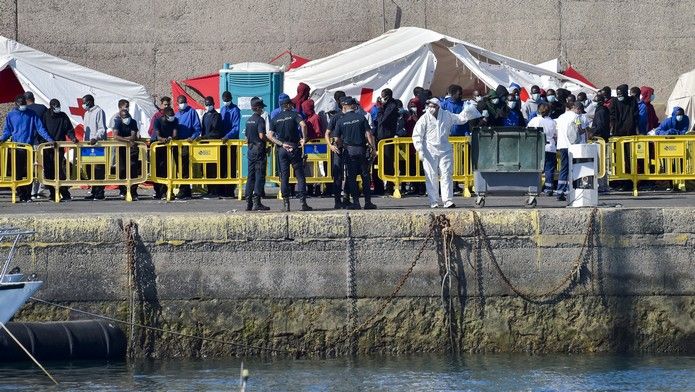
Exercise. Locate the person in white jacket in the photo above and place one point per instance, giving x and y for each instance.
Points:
(431, 140)
(569, 131)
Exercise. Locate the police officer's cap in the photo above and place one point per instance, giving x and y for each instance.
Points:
(257, 102)
(348, 101)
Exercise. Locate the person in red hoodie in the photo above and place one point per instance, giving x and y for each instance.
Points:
(314, 128)
(303, 92)
(647, 115)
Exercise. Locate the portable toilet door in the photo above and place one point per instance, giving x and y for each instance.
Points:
(245, 81)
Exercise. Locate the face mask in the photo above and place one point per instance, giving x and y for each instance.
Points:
(511, 104)
(85, 106)
(183, 106)
(431, 111)
(679, 118)
(495, 101)
(171, 118)
(126, 120)
(621, 99)
(22, 108)
(56, 110)
(552, 98)
(413, 110)
(587, 102)
(536, 96)
(227, 103)
(478, 98)
(652, 98)
(210, 108)
(486, 113)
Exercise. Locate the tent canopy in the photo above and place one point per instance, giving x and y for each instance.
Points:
(404, 58)
(683, 95)
(51, 77)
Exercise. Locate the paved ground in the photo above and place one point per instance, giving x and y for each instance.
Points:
(147, 204)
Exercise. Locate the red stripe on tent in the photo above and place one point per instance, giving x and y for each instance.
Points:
(177, 90)
(574, 74)
(11, 87)
(366, 99)
(207, 85)
(523, 95)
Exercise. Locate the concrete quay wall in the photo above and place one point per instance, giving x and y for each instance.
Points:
(303, 282)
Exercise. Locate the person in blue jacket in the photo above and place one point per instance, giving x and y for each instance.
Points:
(454, 104)
(189, 129)
(231, 125)
(22, 126)
(677, 124)
(281, 98)
(513, 116)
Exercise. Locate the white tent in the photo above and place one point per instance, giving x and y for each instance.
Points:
(683, 95)
(51, 77)
(404, 58)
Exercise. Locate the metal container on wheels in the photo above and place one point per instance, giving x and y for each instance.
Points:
(507, 161)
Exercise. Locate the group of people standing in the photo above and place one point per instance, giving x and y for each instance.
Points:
(351, 133)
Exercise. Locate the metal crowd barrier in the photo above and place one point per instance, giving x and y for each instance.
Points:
(408, 168)
(652, 158)
(82, 164)
(203, 162)
(317, 164)
(16, 166)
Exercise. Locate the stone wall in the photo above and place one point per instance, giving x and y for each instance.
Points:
(303, 282)
(616, 41)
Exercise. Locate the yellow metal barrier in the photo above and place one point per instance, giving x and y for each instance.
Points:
(653, 158)
(82, 164)
(317, 164)
(408, 168)
(203, 162)
(16, 166)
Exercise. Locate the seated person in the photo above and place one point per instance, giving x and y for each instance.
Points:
(677, 124)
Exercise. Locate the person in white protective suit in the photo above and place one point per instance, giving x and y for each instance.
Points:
(431, 140)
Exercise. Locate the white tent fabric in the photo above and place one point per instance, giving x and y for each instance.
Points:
(683, 95)
(51, 77)
(404, 58)
(551, 65)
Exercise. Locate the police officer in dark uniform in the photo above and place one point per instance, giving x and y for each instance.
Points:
(290, 151)
(126, 130)
(337, 162)
(354, 134)
(165, 128)
(212, 130)
(255, 137)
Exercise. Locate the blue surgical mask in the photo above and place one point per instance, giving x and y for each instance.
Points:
(126, 120)
(495, 101)
(536, 96)
(183, 106)
(511, 104)
(210, 108)
(56, 110)
(679, 118)
(22, 108)
(85, 106)
(552, 98)
(227, 103)
(652, 98)
(171, 118)
(621, 99)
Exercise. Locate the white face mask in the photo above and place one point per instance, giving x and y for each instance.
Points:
(126, 120)
(495, 101)
(486, 113)
(511, 104)
(431, 110)
(551, 98)
(22, 108)
(85, 106)
(227, 103)
(171, 118)
(621, 99)
(56, 110)
(210, 108)
(679, 118)
(536, 96)
(478, 98)
(183, 106)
